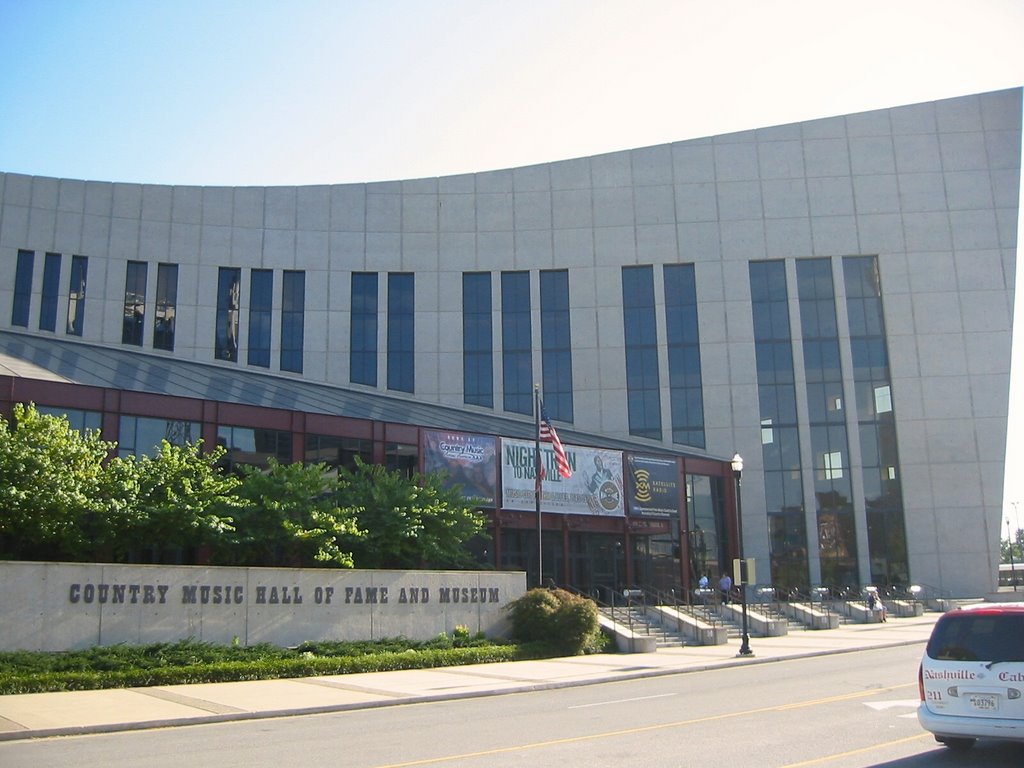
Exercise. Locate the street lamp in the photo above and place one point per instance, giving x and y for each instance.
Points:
(737, 472)
(1013, 567)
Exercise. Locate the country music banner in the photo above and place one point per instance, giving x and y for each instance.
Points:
(469, 461)
(595, 487)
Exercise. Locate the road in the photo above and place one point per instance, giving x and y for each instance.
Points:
(841, 711)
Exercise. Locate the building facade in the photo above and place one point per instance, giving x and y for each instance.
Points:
(832, 299)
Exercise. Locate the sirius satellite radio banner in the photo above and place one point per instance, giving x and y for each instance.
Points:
(595, 487)
(653, 486)
(469, 460)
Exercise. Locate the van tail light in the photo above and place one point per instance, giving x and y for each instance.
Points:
(920, 681)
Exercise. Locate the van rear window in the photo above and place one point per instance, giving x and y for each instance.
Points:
(980, 637)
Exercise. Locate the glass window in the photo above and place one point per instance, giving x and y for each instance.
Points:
(643, 385)
(556, 343)
(229, 282)
(992, 636)
(363, 334)
(247, 445)
(706, 531)
(23, 288)
(837, 541)
(261, 307)
(134, 303)
(166, 306)
(293, 313)
(477, 340)
(875, 416)
(780, 444)
(337, 451)
(401, 332)
(51, 290)
(833, 465)
(76, 295)
(402, 457)
(684, 370)
(141, 436)
(516, 342)
(81, 421)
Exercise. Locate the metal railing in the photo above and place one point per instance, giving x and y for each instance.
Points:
(617, 606)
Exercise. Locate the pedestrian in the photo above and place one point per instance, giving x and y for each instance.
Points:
(880, 609)
(703, 583)
(725, 585)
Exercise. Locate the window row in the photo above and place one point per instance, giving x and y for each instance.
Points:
(827, 392)
(49, 301)
(260, 319)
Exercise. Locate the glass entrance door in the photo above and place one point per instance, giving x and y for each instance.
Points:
(598, 564)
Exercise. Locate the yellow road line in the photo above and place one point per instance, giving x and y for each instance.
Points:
(862, 750)
(650, 728)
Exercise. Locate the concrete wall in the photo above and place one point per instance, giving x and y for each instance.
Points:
(64, 606)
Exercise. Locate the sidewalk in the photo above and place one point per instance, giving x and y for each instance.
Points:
(35, 715)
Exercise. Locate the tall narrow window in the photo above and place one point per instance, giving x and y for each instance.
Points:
(401, 332)
(643, 383)
(780, 442)
(166, 306)
(477, 340)
(684, 371)
(23, 288)
(837, 539)
(556, 343)
(76, 295)
(516, 342)
(876, 422)
(261, 300)
(134, 303)
(363, 334)
(229, 285)
(293, 312)
(51, 290)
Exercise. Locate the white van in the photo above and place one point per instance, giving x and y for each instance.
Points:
(971, 678)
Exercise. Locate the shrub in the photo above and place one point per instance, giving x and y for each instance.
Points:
(557, 618)
(25, 674)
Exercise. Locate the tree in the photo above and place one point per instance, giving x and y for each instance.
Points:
(183, 498)
(407, 522)
(51, 476)
(289, 514)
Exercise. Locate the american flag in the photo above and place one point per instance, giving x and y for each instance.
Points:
(547, 433)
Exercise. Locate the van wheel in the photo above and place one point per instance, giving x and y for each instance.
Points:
(956, 743)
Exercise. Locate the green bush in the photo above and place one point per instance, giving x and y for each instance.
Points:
(280, 664)
(193, 662)
(556, 618)
(531, 615)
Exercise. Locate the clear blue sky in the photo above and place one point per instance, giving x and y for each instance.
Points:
(240, 92)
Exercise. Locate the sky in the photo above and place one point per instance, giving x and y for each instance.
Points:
(262, 92)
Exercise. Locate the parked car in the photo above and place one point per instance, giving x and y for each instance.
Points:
(971, 677)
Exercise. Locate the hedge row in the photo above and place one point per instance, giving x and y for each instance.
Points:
(308, 665)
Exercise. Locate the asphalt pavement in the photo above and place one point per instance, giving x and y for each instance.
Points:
(37, 715)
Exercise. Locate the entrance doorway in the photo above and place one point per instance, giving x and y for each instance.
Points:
(597, 563)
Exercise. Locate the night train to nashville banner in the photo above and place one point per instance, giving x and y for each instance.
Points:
(595, 487)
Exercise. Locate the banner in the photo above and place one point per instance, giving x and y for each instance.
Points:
(653, 483)
(469, 460)
(595, 487)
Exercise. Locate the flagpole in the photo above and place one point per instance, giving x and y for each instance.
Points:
(538, 479)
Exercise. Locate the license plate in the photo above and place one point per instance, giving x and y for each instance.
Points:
(983, 703)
